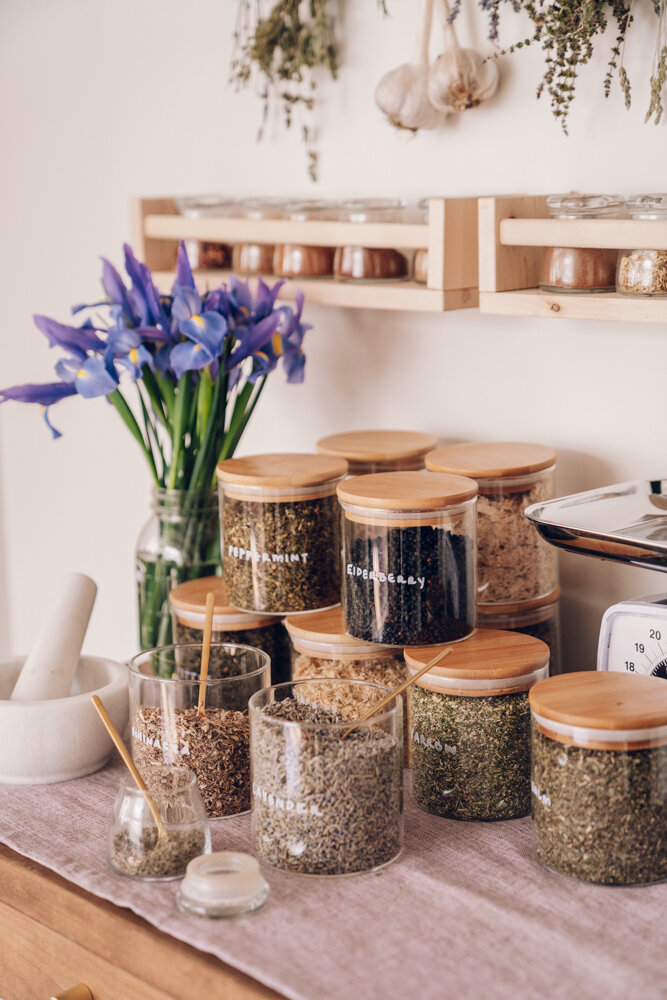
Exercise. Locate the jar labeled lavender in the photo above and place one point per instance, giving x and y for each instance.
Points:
(408, 557)
(378, 451)
(188, 613)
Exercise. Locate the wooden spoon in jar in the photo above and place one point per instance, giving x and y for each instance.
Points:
(205, 652)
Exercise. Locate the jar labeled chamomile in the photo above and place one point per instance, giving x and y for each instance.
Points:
(513, 563)
(188, 612)
(644, 272)
(252, 257)
(581, 269)
(205, 255)
(408, 557)
(379, 451)
(599, 776)
(327, 799)
(539, 618)
(296, 260)
(279, 520)
(361, 263)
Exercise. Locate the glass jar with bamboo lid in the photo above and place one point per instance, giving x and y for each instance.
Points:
(379, 451)
(539, 618)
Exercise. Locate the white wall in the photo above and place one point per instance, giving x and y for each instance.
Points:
(104, 99)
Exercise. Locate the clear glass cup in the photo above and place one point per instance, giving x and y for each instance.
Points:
(359, 263)
(167, 728)
(135, 847)
(644, 271)
(323, 804)
(581, 269)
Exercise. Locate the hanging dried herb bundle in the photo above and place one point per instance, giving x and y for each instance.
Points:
(281, 51)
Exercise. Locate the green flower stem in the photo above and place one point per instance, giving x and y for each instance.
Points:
(243, 410)
(118, 400)
(152, 436)
(165, 389)
(181, 414)
(156, 397)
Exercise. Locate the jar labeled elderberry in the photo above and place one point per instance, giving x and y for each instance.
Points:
(379, 451)
(408, 557)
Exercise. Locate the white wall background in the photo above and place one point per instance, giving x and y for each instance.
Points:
(104, 99)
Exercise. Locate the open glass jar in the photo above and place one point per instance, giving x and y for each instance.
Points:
(599, 776)
(167, 727)
(470, 725)
(188, 611)
(359, 263)
(378, 451)
(539, 618)
(251, 257)
(204, 254)
(581, 269)
(280, 531)
(644, 272)
(325, 801)
(294, 260)
(513, 563)
(408, 557)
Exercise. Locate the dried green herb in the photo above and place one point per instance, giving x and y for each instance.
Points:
(323, 805)
(150, 856)
(471, 756)
(281, 557)
(273, 639)
(600, 815)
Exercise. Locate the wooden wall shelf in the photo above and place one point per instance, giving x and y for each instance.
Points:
(450, 237)
(512, 231)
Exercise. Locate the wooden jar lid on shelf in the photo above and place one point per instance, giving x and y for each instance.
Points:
(281, 470)
(388, 447)
(491, 459)
(602, 699)
(406, 491)
(327, 628)
(189, 602)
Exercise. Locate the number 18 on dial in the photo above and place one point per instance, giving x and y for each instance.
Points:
(633, 637)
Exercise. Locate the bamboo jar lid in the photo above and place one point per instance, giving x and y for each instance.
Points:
(328, 629)
(388, 447)
(517, 607)
(406, 491)
(189, 602)
(601, 699)
(490, 661)
(491, 459)
(282, 470)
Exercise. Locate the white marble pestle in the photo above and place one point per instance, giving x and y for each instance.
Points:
(50, 667)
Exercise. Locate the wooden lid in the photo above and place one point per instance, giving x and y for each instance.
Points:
(601, 699)
(517, 607)
(281, 470)
(406, 490)
(488, 654)
(321, 626)
(191, 596)
(490, 459)
(377, 446)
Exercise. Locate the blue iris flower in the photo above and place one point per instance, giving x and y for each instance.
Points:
(247, 308)
(205, 332)
(90, 378)
(252, 339)
(78, 340)
(127, 349)
(44, 395)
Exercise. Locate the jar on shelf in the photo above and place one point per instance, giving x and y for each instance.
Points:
(378, 451)
(599, 776)
(421, 255)
(470, 725)
(539, 618)
(205, 255)
(135, 845)
(167, 726)
(513, 563)
(251, 257)
(322, 648)
(326, 801)
(581, 269)
(280, 531)
(359, 263)
(295, 260)
(188, 612)
(644, 272)
(408, 557)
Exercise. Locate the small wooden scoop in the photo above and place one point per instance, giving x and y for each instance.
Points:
(205, 652)
(399, 690)
(129, 763)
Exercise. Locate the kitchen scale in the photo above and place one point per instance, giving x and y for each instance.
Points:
(633, 637)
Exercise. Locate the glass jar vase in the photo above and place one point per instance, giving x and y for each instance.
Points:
(644, 272)
(179, 542)
(581, 269)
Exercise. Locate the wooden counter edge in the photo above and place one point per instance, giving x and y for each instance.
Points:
(119, 936)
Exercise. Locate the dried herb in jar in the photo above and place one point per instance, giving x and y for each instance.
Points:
(643, 272)
(271, 638)
(471, 755)
(341, 810)
(151, 856)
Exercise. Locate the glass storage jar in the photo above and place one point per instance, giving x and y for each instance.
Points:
(599, 776)
(359, 263)
(251, 257)
(581, 269)
(378, 451)
(513, 563)
(135, 847)
(167, 727)
(206, 255)
(294, 260)
(326, 801)
(539, 618)
(280, 531)
(188, 612)
(470, 725)
(644, 272)
(408, 557)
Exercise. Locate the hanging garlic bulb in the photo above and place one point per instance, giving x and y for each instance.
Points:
(459, 78)
(402, 92)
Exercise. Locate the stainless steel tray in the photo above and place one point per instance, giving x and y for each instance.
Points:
(626, 522)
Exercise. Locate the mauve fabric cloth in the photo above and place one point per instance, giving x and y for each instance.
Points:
(466, 913)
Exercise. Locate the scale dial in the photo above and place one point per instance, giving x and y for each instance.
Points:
(633, 637)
